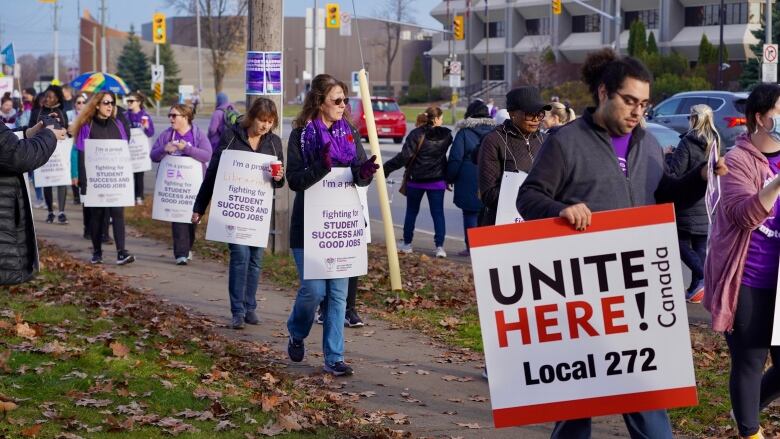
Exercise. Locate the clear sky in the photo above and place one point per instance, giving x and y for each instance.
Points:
(28, 23)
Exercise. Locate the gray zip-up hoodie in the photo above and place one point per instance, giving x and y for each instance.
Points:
(578, 165)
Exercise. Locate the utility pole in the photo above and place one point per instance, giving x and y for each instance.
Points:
(618, 17)
(768, 21)
(103, 56)
(56, 42)
(721, 19)
(265, 33)
(200, 67)
(315, 21)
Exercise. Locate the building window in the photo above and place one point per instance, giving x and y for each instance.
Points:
(586, 23)
(735, 13)
(648, 17)
(496, 72)
(496, 29)
(537, 26)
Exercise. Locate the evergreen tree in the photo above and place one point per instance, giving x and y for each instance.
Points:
(707, 52)
(172, 80)
(133, 65)
(652, 46)
(637, 38)
(417, 75)
(751, 71)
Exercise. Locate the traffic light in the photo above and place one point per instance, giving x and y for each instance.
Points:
(158, 28)
(333, 16)
(458, 30)
(557, 8)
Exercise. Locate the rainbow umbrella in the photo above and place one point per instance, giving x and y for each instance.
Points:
(92, 82)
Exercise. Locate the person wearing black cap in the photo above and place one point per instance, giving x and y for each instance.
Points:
(511, 147)
(461, 164)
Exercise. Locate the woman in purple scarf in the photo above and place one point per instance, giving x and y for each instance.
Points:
(322, 138)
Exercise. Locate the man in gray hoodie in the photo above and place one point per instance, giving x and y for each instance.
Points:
(603, 161)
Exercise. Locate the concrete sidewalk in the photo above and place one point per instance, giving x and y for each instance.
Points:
(396, 370)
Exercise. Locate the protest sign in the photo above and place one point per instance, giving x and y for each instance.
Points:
(109, 173)
(334, 241)
(363, 195)
(139, 151)
(263, 73)
(580, 324)
(506, 211)
(56, 171)
(178, 181)
(242, 204)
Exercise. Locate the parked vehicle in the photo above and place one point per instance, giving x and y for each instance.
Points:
(390, 120)
(728, 107)
(666, 137)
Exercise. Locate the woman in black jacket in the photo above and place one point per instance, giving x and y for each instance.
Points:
(252, 133)
(321, 139)
(52, 105)
(424, 155)
(692, 222)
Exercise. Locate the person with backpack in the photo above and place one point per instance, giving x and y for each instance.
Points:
(462, 164)
(225, 115)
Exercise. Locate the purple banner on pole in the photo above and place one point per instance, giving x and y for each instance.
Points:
(255, 73)
(273, 72)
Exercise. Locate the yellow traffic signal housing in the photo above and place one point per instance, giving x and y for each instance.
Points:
(557, 8)
(158, 28)
(458, 30)
(332, 16)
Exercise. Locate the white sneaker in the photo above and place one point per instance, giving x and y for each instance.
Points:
(189, 256)
(440, 253)
(139, 201)
(405, 248)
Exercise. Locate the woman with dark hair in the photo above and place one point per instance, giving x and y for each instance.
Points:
(252, 132)
(139, 118)
(182, 139)
(424, 155)
(99, 120)
(51, 106)
(321, 139)
(740, 272)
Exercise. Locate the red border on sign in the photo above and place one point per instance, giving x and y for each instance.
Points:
(555, 227)
(605, 405)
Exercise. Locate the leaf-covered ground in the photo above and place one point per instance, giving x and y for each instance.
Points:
(83, 355)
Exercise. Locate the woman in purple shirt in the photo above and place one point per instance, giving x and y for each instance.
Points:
(139, 118)
(185, 139)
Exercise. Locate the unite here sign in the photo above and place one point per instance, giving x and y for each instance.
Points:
(580, 324)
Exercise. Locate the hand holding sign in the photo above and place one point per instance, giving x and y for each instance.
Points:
(578, 215)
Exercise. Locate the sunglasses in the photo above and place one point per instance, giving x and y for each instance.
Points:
(173, 115)
(340, 100)
(109, 103)
(534, 116)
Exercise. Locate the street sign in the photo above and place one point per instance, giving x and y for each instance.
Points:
(770, 54)
(455, 68)
(346, 25)
(769, 64)
(157, 87)
(158, 73)
(455, 81)
(356, 82)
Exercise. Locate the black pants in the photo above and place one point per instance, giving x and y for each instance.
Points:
(138, 183)
(693, 251)
(76, 194)
(183, 239)
(98, 216)
(87, 215)
(48, 195)
(751, 388)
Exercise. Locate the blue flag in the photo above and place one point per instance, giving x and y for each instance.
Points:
(8, 53)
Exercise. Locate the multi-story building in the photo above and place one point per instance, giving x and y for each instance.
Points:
(499, 33)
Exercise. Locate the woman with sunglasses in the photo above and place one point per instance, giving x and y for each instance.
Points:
(139, 118)
(511, 147)
(99, 120)
(424, 155)
(182, 139)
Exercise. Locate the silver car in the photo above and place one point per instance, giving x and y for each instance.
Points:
(728, 108)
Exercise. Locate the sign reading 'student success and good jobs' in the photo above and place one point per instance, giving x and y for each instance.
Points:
(109, 174)
(56, 171)
(139, 150)
(579, 324)
(334, 228)
(178, 181)
(242, 204)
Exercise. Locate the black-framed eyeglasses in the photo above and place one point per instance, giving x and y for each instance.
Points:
(79, 102)
(534, 116)
(633, 102)
(338, 101)
(173, 115)
(130, 101)
(109, 103)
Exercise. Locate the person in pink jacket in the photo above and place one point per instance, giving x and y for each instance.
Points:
(182, 138)
(741, 268)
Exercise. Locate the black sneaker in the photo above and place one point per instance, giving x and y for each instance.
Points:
(124, 259)
(62, 219)
(96, 259)
(50, 218)
(295, 349)
(237, 322)
(352, 319)
(251, 318)
(318, 318)
(338, 369)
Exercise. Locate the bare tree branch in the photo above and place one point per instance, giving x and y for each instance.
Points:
(396, 10)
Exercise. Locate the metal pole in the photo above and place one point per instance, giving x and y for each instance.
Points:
(618, 17)
(721, 19)
(468, 50)
(487, 54)
(197, 27)
(56, 42)
(103, 60)
(157, 62)
(94, 48)
(768, 21)
(314, 42)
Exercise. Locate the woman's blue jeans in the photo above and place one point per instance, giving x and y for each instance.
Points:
(311, 293)
(435, 202)
(244, 277)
